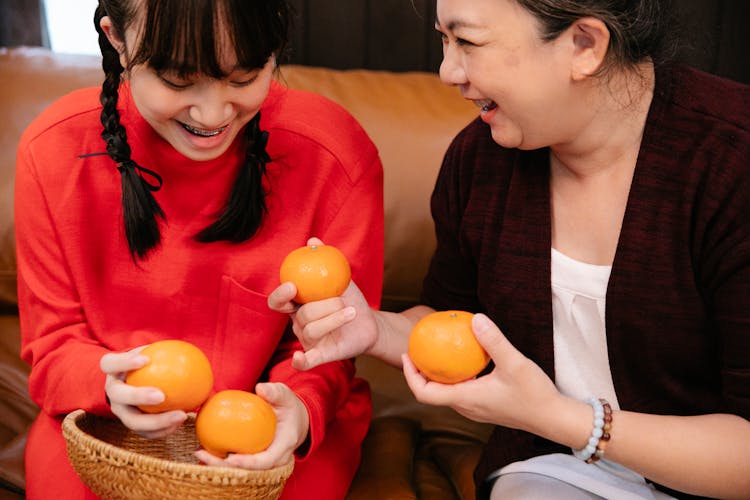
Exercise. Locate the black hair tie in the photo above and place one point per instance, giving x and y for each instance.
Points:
(124, 165)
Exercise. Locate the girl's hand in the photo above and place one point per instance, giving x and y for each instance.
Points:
(330, 329)
(517, 393)
(124, 399)
(292, 429)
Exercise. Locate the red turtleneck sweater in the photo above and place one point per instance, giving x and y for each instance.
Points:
(81, 295)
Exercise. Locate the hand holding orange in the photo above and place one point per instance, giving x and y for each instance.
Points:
(443, 347)
(318, 271)
(180, 370)
(234, 421)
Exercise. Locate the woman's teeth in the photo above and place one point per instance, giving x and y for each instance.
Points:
(202, 133)
(486, 104)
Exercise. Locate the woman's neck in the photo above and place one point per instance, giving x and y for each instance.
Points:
(611, 133)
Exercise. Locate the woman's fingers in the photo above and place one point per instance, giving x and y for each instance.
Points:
(492, 339)
(424, 390)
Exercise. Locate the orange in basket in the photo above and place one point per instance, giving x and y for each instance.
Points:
(180, 370)
(233, 421)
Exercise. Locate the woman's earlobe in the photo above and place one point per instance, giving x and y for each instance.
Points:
(590, 45)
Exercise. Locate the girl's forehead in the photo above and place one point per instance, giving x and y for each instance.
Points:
(206, 40)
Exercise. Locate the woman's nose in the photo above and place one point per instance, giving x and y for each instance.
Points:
(451, 69)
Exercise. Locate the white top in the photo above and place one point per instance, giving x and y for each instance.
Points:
(579, 292)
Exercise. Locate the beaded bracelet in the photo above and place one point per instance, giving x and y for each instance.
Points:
(600, 434)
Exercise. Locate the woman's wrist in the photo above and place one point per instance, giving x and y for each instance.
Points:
(386, 346)
(566, 421)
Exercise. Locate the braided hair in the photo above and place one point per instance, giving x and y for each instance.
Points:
(179, 35)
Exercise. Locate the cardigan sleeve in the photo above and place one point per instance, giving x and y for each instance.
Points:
(722, 250)
(451, 279)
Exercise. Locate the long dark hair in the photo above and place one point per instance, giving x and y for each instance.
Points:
(181, 36)
(639, 29)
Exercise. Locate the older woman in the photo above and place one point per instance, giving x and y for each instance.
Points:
(597, 213)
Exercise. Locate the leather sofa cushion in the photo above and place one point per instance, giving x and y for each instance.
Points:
(17, 411)
(411, 148)
(30, 84)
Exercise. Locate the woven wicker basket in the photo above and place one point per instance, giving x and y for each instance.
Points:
(115, 463)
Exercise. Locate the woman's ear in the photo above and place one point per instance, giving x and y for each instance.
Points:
(590, 44)
(114, 39)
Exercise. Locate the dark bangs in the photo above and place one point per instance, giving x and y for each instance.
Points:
(186, 36)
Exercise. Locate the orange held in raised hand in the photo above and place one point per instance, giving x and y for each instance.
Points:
(180, 370)
(318, 271)
(234, 421)
(443, 347)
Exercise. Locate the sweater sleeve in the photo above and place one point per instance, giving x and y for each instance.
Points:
(64, 357)
(356, 228)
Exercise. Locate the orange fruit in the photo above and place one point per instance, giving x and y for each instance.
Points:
(180, 370)
(443, 347)
(234, 421)
(318, 271)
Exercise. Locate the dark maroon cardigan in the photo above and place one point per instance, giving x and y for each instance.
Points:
(678, 299)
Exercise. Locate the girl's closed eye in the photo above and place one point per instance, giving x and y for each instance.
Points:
(174, 81)
(243, 80)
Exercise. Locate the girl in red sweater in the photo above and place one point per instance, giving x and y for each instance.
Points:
(161, 205)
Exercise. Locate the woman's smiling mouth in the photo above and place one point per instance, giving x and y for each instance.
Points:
(485, 104)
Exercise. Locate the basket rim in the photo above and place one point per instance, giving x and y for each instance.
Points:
(112, 453)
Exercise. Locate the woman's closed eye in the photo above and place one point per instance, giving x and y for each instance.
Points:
(461, 42)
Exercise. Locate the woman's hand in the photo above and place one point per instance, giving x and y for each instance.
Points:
(124, 399)
(517, 393)
(292, 429)
(330, 329)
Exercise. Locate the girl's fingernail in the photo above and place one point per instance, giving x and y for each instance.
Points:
(155, 397)
(349, 313)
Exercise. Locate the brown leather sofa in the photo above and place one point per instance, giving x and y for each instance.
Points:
(411, 451)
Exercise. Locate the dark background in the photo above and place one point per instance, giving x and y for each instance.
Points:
(398, 35)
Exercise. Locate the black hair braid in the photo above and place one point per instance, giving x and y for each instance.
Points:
(246, 205)
(140, 209)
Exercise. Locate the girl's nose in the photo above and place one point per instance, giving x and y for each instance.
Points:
(211, 109)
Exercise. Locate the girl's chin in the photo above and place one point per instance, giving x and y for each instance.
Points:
(202, 148)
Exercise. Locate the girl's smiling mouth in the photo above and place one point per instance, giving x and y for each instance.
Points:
(201, 132)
